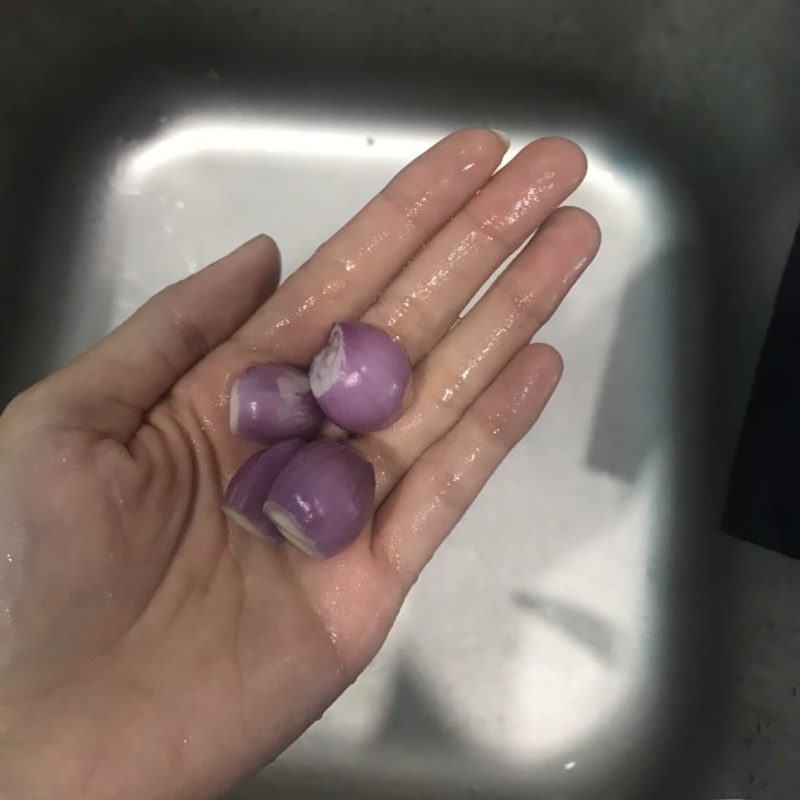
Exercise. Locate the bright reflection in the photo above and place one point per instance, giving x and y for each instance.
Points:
(253, 138)
(612, 183)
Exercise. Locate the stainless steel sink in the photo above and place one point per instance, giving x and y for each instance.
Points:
(585, 633)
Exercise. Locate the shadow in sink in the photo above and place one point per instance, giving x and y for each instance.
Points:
(415, 721)
(624, 429)
(586, 627)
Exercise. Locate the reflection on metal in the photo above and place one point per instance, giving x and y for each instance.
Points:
(201, 137)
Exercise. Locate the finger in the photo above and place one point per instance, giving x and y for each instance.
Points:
(433, 496)
(350, 270)
(115, 382)
(422, 303)
(477, 348)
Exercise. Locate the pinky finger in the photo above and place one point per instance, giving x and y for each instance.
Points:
(435, 493)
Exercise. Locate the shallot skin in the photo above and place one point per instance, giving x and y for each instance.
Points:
(360, 377)
(322, 498)
(248, 488)
(273, 402)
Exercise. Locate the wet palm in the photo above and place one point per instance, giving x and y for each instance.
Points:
(151, 648)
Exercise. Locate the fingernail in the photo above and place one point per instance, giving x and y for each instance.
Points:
(503, 137)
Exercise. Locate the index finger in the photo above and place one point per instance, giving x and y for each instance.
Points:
(346, 275)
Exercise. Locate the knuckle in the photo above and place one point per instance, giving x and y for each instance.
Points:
(492, 228)
(190, 336)
(406, 206)
(525, 307)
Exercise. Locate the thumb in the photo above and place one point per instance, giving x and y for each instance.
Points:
(111, 386)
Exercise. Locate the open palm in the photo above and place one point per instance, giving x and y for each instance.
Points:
(151, 648)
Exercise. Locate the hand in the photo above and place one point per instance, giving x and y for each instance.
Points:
(149, 647)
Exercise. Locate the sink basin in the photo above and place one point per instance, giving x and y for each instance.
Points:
(584, 632)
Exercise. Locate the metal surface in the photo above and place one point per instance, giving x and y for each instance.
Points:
(569, 639)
